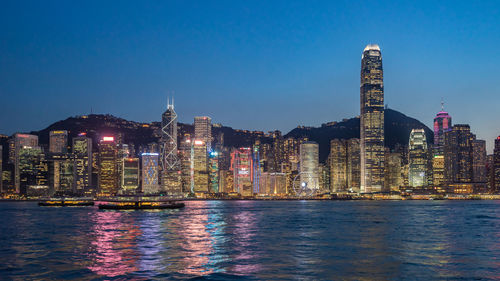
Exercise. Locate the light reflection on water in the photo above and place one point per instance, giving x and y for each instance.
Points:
(254, 240)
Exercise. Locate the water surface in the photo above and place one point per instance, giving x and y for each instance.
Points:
(254, 240)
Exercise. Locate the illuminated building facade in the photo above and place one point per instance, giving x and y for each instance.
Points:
(150, 175)
(372, 120)
(353, 165)
(58, 141)
(199, 162)
(61, 174)
(418, 159)
(226, 181)
(27, 162)
(241, 164)
(458, 155)
(203, 130)
(213, 166)
(185, 160)
(82, 153)
(108, 172)
(496, 165)
(309, 166)
(1, 169)
(479, 161)
(130, 175)
(15, 145)
(273, 184)
(438, 171)
(442, 124)
(170, 164)
(338, 165)
(393, 176)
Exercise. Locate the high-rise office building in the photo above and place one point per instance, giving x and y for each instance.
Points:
(185, 159)
(496, 165)
(16, 143)
(82, 153)
(203, 130)
(242, 166)
(418, 160)
(438, 171)
(199, 164)
(58, 141)
(108, 170)
(479, 161)
(458, 155)
(27, 163)
(338, 165)
(353, 165)
(1, 169)
(213, 168)
(372, 120)
(170, 164)
(309, 166)
(150, 174)
(130, 175)
(442, 124)
(393, 176)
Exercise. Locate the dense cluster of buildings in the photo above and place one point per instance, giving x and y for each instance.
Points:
(199, 165)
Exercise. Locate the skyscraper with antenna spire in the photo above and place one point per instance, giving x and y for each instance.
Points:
(170, 165)
(442, 124)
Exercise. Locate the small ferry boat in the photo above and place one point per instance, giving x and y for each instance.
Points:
(65, 202)
(141, 205)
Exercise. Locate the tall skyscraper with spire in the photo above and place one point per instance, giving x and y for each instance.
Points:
(442, 124)
(372, 120)
(170, 165)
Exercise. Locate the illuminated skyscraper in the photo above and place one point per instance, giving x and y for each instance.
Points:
(418, 159)
(372, 120)
(479, 161)
(185, 159)
(150, 175)
(203, 130)
(442, 124)
(17, 142)
(353, 165)
(130, 175)
(496, 165)
(1, 169)
(393, 176)
(338, 165)
(27, 163)
(58, 141)
(82, 153)
(170, 164)
(438, 170)
(213, 168)
(242, 166)
(199, 164)
(458, 155)
(309, 166)
(108, 172)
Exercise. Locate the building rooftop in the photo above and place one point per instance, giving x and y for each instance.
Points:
(370, 47)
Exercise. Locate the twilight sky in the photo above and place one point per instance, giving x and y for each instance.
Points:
(248, 64)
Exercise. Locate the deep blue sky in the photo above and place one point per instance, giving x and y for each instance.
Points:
(252, 65)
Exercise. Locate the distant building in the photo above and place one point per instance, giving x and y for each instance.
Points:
(496, 165)
(213, 167)
(393, 171)
(16, 143)
(438, 171)
(338, 165)
(309, 166)
(353, 165)
(203, 130)
(82, 153)
(418, 159)
(479, 161)
(199, 162)
(458, 159)
(130, 175)
(185, 160)
(442, 124)
(372, 120)
(58, 141)
(108, 172)
(170, 164)
(28, 158)
(273, 184)
(242, 166)
(150, 173)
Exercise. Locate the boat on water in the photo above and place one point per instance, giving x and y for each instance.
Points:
(66, 202)
(141, 205)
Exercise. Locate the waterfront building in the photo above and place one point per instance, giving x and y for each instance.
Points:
(393, 176)
(203, 130)
(353, 165)
(1, 169)
(150, 173)
(213, 167)
(438, 172)
(309, 166)
(82, 153)
(16, 143)
(226, 182)
(242, 166)
(496, 165)
(479, 161)
(372, 120)
(58, 141)
(108, 171)
(61, 174)
(337, 161)
(199, 162)
(324, 178)
(458, 161)
(170, 164)
(418, 161)
(442, 124)
(273, 184)
(185, 161)
(130, 175)
(28, 158)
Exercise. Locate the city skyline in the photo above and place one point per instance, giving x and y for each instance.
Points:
(68, 75)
